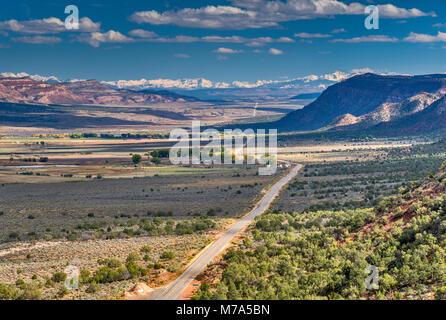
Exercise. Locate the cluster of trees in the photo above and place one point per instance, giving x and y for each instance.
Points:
(122, 136)
(110, 270)
(20, 291)
(131, 227)
(170, 227)
(413, 168)
(154, 156)
(324, 254)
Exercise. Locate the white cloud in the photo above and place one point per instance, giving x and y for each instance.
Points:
(252, 42)
(391, 11)
(226, 50)
(306, 35)
(96, 38)
(426, 38)
(244, 14)
(37, 39)
(439, 25)
(285, 40)
(47, 26)
(275, 51)
(142, 33)
(378, 38)
(363, 70)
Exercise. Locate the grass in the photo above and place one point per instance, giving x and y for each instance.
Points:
(45, 261)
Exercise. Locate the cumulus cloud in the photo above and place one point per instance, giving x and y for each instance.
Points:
(306, 35)
(275, 51)
(377, 38)
(142, 33)
(37, 39)
(426, 38)
(244, 14)
(252, 42)
(50, 25)
(285, 39)
(226, 50)
(96, 38)
(439, 25)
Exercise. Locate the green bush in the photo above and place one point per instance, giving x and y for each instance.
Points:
(133, 256)
(59, 277)
(136, 158)
(146, 249)
(8, 292)
(167, 255)
(92, 288)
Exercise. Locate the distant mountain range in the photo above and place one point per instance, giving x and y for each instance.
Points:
(213, 90)
(376, 103)
(371, 103)
(30, 91)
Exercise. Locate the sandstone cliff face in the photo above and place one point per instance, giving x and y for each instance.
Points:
(432, 118)
(380, 97)
(388, 112)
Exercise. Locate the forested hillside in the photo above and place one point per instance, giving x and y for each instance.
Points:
(324, 255)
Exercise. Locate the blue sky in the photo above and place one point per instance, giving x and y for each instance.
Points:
(244, 40)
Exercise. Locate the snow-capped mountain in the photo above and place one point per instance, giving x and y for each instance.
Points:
(207, 89)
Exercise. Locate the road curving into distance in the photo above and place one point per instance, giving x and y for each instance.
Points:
(174, 289)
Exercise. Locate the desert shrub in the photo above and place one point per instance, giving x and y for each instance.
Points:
(135, 269)
(30, 292)
(8, 292)
(440, 293)
(20, 283)
(62, 292)
(92, 288)
(84, 276)
(133, 256)
(107, 275)
(146, 249)
(59, 277)
(156, 266)
(168, 255)
(13, 235)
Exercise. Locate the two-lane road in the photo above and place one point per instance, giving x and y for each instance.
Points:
(173, 290)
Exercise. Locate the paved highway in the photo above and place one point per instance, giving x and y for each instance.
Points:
(173, 290)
